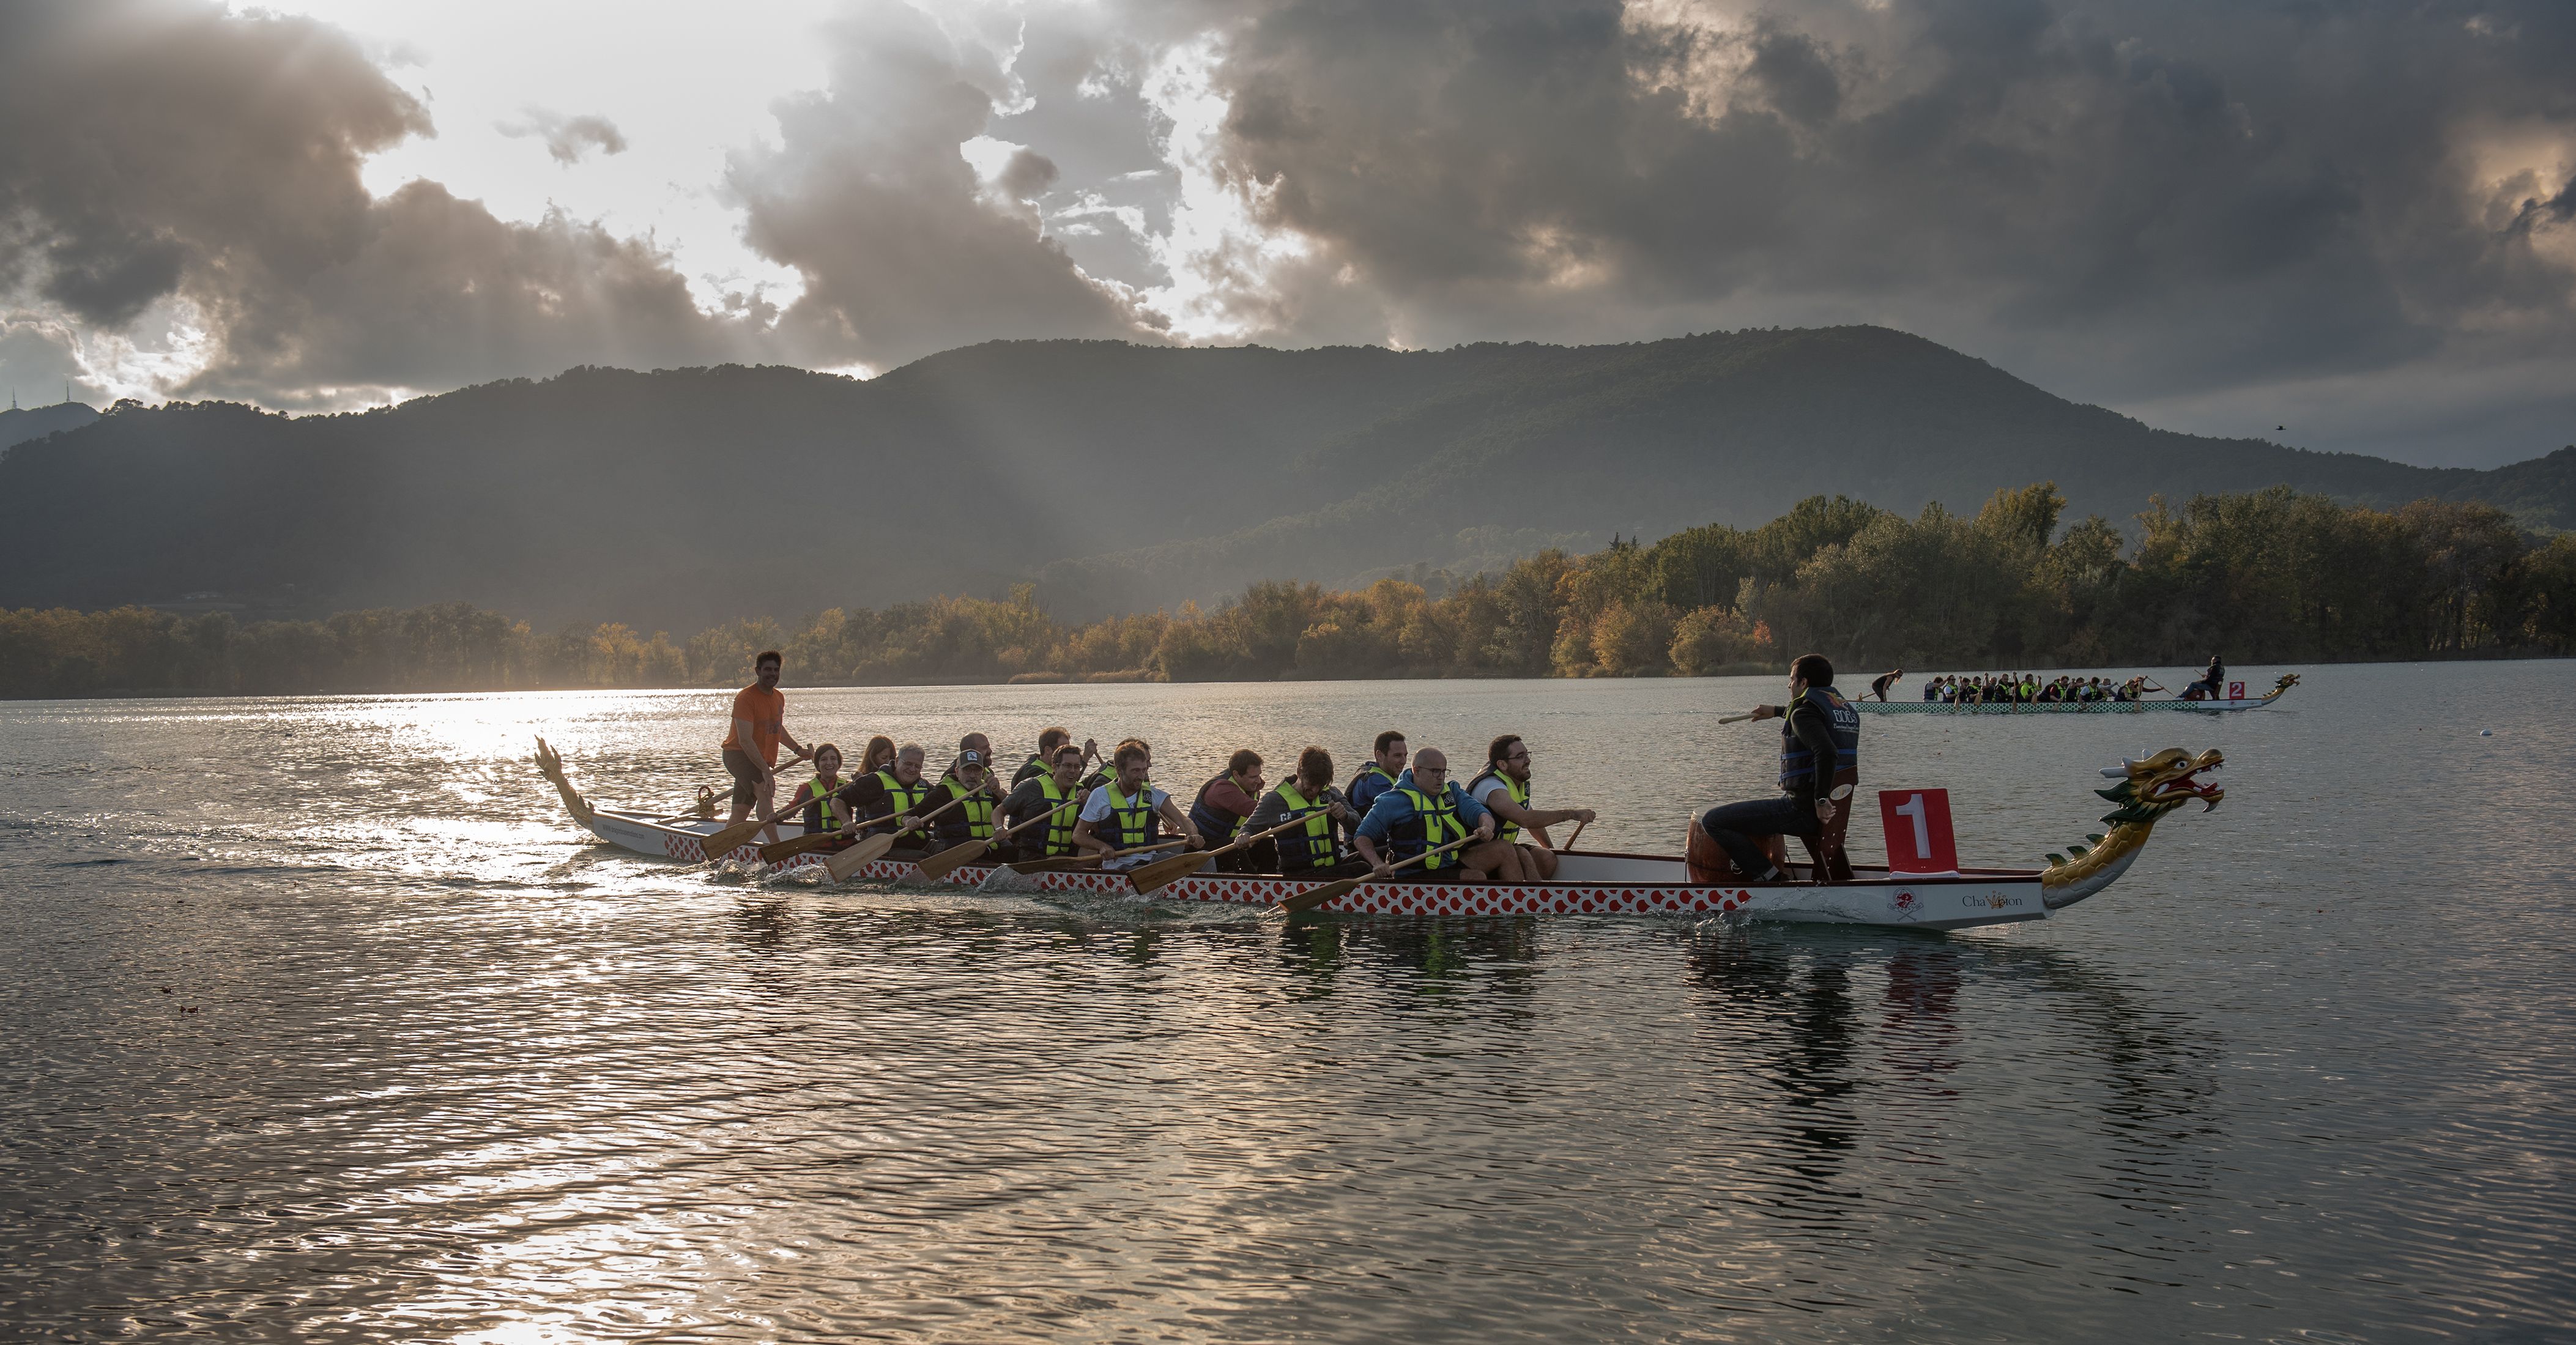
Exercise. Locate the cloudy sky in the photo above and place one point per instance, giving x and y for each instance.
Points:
(2355, 218)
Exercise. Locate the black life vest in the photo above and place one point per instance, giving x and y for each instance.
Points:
(1797, 760)
(1216, 825)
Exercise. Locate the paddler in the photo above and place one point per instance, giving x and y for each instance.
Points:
(752, 736)
(1058, 793)
(963, 800)
(1819, 751)
(1310, 852)
(824, 811)
(1380, 774)
(1224, 801)
(2210, 684)
(1504, 789)
(1424, 811)
(1121, 814)
(896, 791)
(1042, 761)
(1878, 685)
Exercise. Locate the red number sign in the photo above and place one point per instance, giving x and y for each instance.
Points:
(2236, 691)
(1918, 830)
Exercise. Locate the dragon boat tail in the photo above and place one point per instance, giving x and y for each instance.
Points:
(1588, 882)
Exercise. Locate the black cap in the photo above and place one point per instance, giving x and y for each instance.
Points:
(970, 757)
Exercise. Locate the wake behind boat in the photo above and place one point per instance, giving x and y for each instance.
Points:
(1586, 882)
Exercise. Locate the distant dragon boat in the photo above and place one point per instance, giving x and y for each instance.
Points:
(2206, 707)
(1587, 882)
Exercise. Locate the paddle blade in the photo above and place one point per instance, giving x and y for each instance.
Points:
(726, 841)
(794, 846)
(1052, 864)
(1163, 872)
(953, 858)
(1316, 896)
(858, 856)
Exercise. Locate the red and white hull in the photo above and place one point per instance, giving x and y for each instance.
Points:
(1587, 883)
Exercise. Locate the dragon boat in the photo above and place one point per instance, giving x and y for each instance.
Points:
(1588, 882)
(2205, 707)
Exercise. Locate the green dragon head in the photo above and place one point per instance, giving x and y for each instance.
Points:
(2153, 786)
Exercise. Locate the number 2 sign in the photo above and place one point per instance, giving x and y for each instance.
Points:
(1918, 830)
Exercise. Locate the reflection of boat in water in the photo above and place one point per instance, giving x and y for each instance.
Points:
(1587, 882)
(2205, 707)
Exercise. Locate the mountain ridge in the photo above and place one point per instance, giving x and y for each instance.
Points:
(1115, 476)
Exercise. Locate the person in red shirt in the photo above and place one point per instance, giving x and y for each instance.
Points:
(751, 742)
(1225, 800)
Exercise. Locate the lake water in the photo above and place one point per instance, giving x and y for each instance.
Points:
(321, 1021)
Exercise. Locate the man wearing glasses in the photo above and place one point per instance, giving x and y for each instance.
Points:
(1504, 791)
(1424, 811)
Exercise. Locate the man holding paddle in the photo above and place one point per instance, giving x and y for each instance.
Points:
(1306, 851)
(1122, 813)
(758, 726)
(1224, 801)
(1057, 794)
(969, 785)
(1425, 812)
(896, 791)
(1819, 764)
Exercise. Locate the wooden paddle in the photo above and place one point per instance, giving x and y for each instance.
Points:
(1578, 835)
(955, 857)
(1163, 873)
(874, 848)
(1735, 719)
(1060, 863)
(797, 845)
(1323, 892)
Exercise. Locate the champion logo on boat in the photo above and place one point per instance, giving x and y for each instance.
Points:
(1903, 901)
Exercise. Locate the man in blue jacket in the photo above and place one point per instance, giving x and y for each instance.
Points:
(1424, 811)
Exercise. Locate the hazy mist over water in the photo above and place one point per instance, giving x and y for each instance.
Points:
(320, 1020)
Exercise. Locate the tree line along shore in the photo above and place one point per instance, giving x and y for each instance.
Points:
(2269, 576)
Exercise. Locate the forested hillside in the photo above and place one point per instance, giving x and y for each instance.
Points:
(1115, 477)
(2267, 577)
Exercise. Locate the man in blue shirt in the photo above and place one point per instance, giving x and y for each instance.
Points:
(1378, 776)
(1424, 811)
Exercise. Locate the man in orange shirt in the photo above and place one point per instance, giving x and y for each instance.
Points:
(759, 719)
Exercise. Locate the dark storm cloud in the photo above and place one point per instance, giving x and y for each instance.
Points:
(157, 150)
(902, 249)
(567, 139)
(2138, 196)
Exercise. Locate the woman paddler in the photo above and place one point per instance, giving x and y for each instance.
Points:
(824, 810)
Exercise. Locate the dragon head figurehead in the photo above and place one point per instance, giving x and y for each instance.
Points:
(2148, 788)
(2151, 787)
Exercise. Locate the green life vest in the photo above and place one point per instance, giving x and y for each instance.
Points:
(968, 821)
(1311, 848)
(1060, 819)
(834, 814)
(1503, 827)
(900, 797)
(1435, 823)
(1131, 821)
